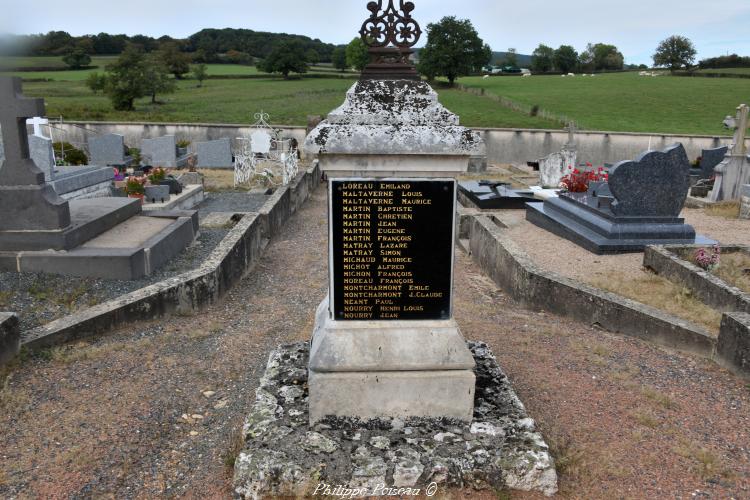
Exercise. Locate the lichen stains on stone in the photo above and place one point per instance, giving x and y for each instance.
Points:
(284, 456)
(392, 117)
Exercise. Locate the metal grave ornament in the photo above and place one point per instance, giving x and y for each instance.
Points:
(390, 34)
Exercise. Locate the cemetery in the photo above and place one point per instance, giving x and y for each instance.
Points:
(388, 302)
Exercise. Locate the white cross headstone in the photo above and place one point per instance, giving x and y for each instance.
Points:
(37, 123)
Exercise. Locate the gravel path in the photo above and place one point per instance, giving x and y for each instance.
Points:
(125, 416)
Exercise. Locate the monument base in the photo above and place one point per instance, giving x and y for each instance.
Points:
(501, 448)
(389, 369)
(31, 208)
(601, 232)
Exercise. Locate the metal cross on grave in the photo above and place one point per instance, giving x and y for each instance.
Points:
(14, 110)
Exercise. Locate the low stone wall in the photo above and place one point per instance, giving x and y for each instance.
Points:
(508, 266)
(230, 261)
(520, 146)
(514, 146)
(536, 288)
(733, 350)
(9, 337)
(708, 287)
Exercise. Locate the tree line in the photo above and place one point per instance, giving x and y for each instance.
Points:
(230, 45)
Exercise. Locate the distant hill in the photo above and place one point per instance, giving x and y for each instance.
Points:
(524, 61)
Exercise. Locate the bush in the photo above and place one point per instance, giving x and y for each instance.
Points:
(71, 154)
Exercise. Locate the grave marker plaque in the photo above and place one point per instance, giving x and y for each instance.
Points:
(392, 249)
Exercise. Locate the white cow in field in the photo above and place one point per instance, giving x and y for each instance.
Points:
(571, 74)
(486, 76)
(526, 75)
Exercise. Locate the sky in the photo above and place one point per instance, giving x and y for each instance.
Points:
(716, 27)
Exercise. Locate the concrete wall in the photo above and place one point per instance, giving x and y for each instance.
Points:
(520, 146)
(516, 146)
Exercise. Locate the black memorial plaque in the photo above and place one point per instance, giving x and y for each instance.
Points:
(392, 249)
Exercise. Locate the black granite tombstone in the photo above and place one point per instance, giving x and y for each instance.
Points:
(489, 195)
(639, 206)
(392, 249)
(708, 160)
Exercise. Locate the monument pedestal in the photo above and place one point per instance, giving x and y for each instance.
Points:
(389, 369)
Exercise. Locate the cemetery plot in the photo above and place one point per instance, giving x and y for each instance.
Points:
(719, 276)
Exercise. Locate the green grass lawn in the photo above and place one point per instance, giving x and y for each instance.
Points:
(628, 102)
(235, 101)
(615, 102)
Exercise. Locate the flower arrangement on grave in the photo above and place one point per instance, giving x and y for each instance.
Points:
(157, 175)
(708, 261)
(578, 181)
(135, 186)
(119, 176)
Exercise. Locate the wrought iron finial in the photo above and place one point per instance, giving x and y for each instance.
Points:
(390, 34)
(390, 27)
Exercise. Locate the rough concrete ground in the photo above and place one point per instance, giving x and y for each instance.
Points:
(128, 415)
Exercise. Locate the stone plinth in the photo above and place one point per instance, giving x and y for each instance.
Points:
(283, 457)
(389, 369)
(391, 152)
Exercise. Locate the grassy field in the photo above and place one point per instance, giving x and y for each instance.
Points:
(628, 102)
(235, 101)
(622, 102)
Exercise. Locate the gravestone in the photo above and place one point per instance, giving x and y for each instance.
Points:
(41, 232)
(489, 195)
(214, 154)
(26, 201)
(710, 158)
(162, 152)
(639, 206)
(745, 202)
(387, 356)
(108, 149)
(734, 171)
(41, 151)
(554, 167)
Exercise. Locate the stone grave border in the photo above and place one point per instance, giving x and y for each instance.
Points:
(710, 289)
(533, 287)
(191, 291)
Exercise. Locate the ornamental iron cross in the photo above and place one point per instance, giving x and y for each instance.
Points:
(14, 110)
(390, 26)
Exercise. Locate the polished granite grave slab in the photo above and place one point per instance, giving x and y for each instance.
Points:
(488, 195)
(639, 206)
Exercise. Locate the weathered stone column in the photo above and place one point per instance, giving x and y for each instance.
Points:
(385, 342)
